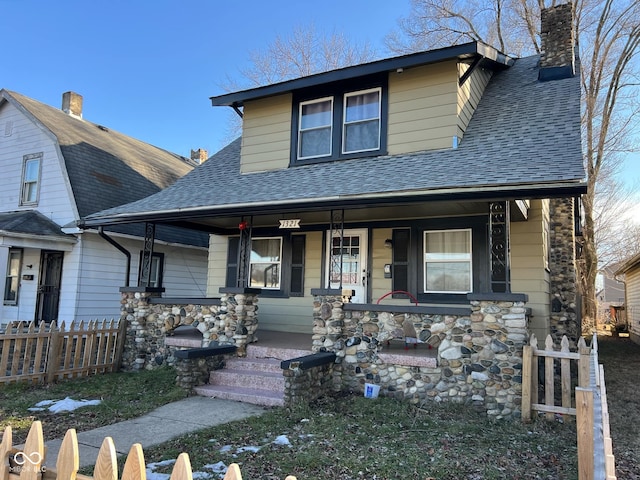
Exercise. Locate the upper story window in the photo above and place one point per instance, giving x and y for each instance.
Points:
(30, 179)
(447, 261)
(314, 136)
(341, 121)
(361, 127)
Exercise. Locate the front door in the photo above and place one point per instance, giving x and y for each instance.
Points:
(354, 263)
(48, 298)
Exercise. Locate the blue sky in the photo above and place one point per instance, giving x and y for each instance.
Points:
(148, 67)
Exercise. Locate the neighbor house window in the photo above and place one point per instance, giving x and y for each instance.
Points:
(266, 259)
(156, 270)
(447, 261)
(361, 125)
(315, 132)
(30, 178)
(12, 283)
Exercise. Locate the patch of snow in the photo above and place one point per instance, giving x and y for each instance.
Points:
(66, 405)
(248, 449)
(226, 449)
(282, 440)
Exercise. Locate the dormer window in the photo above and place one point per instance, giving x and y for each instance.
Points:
(361, 128)
(348, 123)
(314, 138)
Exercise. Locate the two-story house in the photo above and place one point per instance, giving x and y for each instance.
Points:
(430, 197)
(420, 178)
(56, 167)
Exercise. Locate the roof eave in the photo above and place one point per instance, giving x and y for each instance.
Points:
(548, 190)
(465, 50)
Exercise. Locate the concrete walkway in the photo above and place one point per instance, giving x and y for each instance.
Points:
(164, 423)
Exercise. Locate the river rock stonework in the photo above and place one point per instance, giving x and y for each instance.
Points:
(474, 359)
(229, 320)
(563, 278)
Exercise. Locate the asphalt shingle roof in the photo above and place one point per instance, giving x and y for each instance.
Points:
(30, 222)
(107, 168)
(524, 132)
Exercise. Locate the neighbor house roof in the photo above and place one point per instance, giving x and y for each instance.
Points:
(522, 141)
(628, 265)
(31, 223)
(107, 168)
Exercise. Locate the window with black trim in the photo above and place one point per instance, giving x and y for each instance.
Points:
(30, 189)
(156, 272)
(276, 264)
(12, 281)
(346, 120)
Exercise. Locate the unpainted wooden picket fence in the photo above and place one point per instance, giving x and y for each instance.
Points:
(29, 463)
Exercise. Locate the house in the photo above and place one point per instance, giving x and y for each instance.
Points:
(57, 167)
(630, 270)
(414, 190)
(610, 295)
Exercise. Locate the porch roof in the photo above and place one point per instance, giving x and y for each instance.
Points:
(523, 141)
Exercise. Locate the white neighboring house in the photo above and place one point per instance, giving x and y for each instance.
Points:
(56, 168)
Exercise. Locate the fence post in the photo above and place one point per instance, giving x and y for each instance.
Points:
(583, 363)
(527, 356)
(584, 432)
(122, 337)
(53, 357)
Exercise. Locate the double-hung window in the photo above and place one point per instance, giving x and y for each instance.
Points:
(316, 126)
(266, 260)
(30, 179)
(12, 281)
(447, 261)
(340, 122)
(361, 124)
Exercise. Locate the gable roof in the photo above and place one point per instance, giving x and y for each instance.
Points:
(121, 168)
(106, 168)
(523, 141)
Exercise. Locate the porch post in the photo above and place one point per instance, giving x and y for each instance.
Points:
(244, 252)
(336, 230)
(147, 254)
(499, 219)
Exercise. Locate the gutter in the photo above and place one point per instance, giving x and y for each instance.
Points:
(122, 249)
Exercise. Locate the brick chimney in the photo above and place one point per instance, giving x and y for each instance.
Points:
(72, 104)
(557, 59)
(199, 156)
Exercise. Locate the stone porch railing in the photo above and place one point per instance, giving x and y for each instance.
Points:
(228, 320)
(476, 355)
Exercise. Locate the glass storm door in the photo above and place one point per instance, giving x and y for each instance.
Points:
(354, 263)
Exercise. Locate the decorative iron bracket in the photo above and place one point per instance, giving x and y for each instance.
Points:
(499, 219)
(147, 254)
(336, 244)
(244, 253)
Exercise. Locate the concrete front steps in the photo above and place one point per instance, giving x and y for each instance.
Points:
(256, 378)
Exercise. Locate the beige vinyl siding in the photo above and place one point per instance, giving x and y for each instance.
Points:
(469, 95)
(295, 314)
(217, 264)
(632, 294)
(266, 134)
(422, 108)
(528, 264)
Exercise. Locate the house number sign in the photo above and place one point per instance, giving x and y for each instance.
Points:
(290, 223)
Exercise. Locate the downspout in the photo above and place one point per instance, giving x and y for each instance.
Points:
(122, 249)
(236, 108)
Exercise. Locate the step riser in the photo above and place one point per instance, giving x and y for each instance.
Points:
(254, 365)
(255, 399)
(247, 379)
(255, 351)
